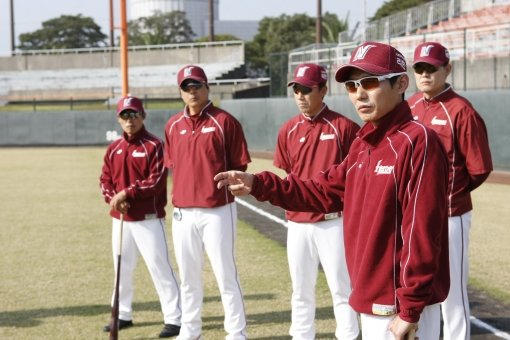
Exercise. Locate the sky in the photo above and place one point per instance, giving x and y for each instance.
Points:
(29, 14)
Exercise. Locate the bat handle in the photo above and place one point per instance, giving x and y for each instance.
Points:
(411, 335)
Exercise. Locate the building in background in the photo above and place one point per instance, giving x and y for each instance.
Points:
(197, 12)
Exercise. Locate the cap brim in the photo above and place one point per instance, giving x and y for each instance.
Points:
(199, 79)
(303, 83)
(430, 61)
(342, 74)
(128, 108)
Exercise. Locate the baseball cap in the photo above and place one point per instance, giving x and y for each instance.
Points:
(432, 53)
(191, 72)
(130, 103)
(374, 58)
(309, 75)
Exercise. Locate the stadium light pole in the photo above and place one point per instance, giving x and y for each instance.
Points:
(123, 48)
(211, 20)
(13, 40)
(318, 26)
(112, 43)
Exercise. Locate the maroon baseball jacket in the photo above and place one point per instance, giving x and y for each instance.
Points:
(196, 149)
(306, 146)
(464, 137)
(136, 166)
(393, 183)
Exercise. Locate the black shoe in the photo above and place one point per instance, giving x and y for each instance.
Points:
(122, 324)
(169, 330)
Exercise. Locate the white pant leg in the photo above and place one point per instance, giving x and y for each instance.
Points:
(375, 327)
(303, 267)
(329, 240)
(219, 235)
(150, 238)
(189, 255)
(455, 309)
(129, 258)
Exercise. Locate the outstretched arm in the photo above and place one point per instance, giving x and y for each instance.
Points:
(238, 183)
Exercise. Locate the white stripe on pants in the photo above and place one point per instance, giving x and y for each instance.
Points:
(375, 327)
(215, 230)
(455, 309)
(307, 245)
(147, 238)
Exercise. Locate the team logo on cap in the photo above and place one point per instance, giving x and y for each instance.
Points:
(301, 71)
(361, 52)
(425, 50)
(401, 61)
(188, 71)
(127, 101)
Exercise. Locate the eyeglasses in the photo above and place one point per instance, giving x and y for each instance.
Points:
(189, 86)
(368, 83)
(301, 89)
(125, 115)
(424, 67)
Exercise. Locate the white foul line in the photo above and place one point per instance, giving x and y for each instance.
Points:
(475, 321)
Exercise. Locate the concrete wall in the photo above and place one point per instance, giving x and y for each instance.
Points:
(261, 119)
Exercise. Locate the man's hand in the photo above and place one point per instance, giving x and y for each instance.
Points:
(239, 183)
(119, 203)
(401, 328)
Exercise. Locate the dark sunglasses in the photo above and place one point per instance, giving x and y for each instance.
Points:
(301, 89)
(189, 86)
(125, 115)
(368, 83)
(424, 67)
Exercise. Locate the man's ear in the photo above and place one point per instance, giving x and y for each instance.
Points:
(403, 83)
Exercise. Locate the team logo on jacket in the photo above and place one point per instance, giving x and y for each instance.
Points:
(119, 151)
(208, 129)
(137, 154)
(383, 169)
(183, 132)
(302, 139)
(436, 121)
(325, 136)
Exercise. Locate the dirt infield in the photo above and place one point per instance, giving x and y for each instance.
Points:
(484, 308)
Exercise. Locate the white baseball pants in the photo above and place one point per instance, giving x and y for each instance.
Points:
(455, 309)
(307, 245)
(213, 230)
(375, 327)
(147, 238)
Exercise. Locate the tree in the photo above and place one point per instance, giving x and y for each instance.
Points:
(282, 34)
(395, 6)
(219, 37)
(160, 28)
(66, 31)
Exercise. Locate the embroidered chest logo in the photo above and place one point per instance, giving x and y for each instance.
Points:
(326, 136)
(208, 129)
(119, 152)
(183, 132)
(383, 169)
(302, 139)
(138, 154)
(436, 121)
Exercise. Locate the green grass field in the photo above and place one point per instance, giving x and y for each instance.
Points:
(56, 272)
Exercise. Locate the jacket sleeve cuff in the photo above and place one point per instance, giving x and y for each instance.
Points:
(409, 315)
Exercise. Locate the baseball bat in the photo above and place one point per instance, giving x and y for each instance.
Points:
(114, 323)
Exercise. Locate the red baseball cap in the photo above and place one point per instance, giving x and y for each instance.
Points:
(374, 58)
(432, 53)
(309, 75)
(191, 72)
(130, 103)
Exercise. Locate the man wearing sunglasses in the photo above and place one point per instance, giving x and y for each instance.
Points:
(393, 187)
(201, 141)
(309, 143)
(133, 182)
(464, 136)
